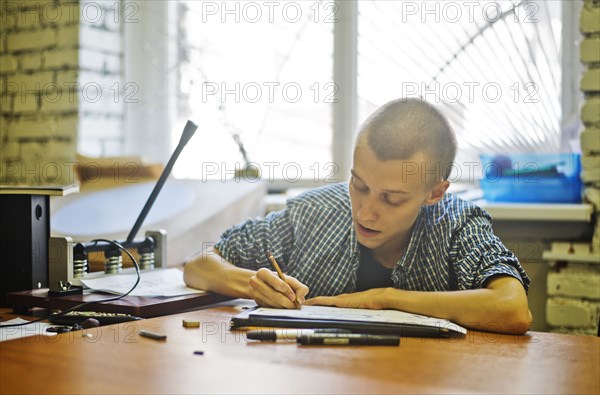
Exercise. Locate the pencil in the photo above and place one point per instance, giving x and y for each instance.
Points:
(271, 258)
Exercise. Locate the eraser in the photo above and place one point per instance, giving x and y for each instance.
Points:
(191, 324)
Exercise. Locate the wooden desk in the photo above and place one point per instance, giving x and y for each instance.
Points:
(117, 360)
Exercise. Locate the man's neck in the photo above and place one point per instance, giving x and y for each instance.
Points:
(390, 255)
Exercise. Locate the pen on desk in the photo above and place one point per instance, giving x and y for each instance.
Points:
(286, 334)
(343, 339)
(152, 335)
(271, 259)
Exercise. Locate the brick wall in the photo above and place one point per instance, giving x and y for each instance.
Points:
(51, 69)
(590, 111)
(100, 76)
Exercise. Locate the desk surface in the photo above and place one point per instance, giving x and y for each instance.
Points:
(116, 360)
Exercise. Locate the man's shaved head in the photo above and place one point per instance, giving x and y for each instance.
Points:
(404, 127)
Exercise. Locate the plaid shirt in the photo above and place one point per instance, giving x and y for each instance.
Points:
(452, 246)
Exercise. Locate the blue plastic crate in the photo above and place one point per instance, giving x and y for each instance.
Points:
(532, 178)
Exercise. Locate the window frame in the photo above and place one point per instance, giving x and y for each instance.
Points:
(158, 22)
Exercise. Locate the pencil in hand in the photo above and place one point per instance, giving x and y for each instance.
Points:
(271, 259)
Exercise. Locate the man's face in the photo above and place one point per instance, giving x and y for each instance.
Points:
(386, 197)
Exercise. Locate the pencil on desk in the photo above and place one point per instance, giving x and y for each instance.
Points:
(271, 259)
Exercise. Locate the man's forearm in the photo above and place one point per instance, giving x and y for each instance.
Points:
(475, 309)
(502, 307)
(210, 272)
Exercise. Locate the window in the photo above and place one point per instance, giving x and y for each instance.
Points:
(261, 75)
(256, 77)
(492, 67)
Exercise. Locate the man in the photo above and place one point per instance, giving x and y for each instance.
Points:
(389, 239)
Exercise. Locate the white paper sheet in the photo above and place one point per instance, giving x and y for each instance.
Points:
(159, 282)
(364, 315)
(18, 332)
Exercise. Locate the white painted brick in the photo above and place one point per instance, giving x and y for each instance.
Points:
(8, 64)
(69, 78)
(56, 93)
(591, 80)
(91, 60)
(4, 123)
(10, 151)
(102, 40)
(31, 62)
(590, 160)
(113, 20)
(590, 111)
(112, 147)
(93, 13)
(29, 19)
(65, 104)
(25, 104)
(61, 149)
(107, 81)
(39, 5)
(589, 50)
(9, 87)
(104, 103)
(29, 83)
(70, 13)
(34, 128)
(68, 126)
(61, 58)
(68, 36)
(591, 3)
(89, 147)
(33, 154)
(589, 20)
(31, 40)
(57, 14)
(590, 176)
(92, 127)
(6, 104)
(112, 64)
(8, 16)
(590, 139)
(19, 172)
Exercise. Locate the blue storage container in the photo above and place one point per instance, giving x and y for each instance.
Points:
(532, 178)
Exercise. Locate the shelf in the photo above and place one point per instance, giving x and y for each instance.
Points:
(538, 211)
(585, 258)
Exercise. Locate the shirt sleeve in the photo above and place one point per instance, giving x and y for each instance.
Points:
(244, 245)
(480, 255)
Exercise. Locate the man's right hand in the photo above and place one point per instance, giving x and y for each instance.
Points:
(268, 290)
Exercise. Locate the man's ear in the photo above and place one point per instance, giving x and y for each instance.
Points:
(436, 193)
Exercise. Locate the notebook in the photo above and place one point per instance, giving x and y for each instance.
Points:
(391, 322)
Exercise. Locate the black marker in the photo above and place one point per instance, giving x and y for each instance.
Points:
(152, 335)
(343, 339)
(286, 334)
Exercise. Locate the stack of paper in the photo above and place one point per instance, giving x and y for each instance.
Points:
(392, 322)
(159, 282)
